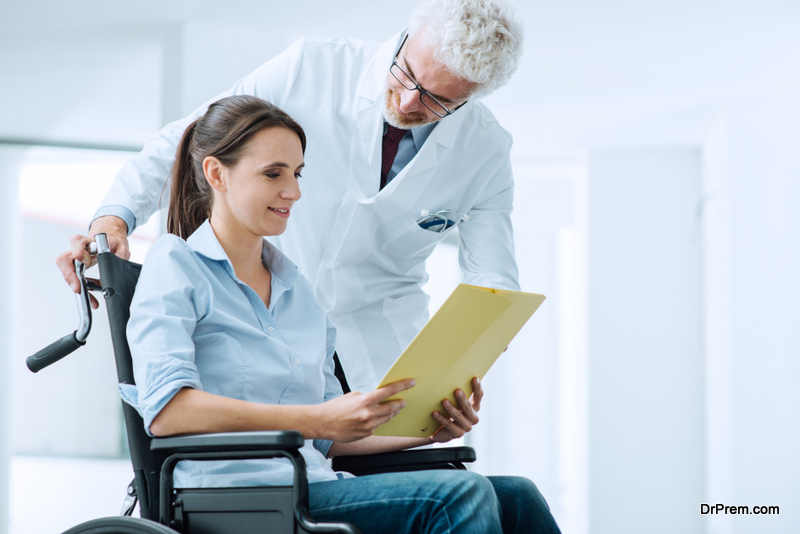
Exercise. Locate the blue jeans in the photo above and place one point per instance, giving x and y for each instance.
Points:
(435, 502)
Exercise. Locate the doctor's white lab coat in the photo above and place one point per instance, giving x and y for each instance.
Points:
(362, 249)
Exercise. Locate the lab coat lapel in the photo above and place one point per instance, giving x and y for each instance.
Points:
(369, 128)
(369, 105)
(423, 167)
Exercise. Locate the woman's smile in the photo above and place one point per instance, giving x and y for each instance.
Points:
(281, 212)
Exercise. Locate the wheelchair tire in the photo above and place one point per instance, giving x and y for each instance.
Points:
(120, 525)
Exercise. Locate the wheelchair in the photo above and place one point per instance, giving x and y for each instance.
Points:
(241, 510)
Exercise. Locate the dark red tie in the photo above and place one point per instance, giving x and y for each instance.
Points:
(390, 143)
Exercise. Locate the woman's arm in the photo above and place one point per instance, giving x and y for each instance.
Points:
(191, 411)
(346, 418)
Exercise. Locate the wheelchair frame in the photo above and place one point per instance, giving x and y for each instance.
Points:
(207, 510)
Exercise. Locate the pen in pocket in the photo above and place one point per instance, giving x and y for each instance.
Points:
(441, 220)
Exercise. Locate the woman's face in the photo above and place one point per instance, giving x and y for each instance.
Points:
(262, 187)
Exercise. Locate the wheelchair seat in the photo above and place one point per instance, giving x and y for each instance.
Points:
(165, 509)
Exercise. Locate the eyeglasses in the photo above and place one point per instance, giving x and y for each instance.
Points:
(427, 99)
(441, 220)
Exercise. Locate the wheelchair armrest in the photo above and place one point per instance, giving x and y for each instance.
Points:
(230, 441)
(233, 446)
(410, 460)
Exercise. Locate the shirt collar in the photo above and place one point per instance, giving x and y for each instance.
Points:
(419, 134)
(204, 241)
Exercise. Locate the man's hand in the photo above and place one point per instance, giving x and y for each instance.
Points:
(356, 415)
(461, 419)
(117, 232)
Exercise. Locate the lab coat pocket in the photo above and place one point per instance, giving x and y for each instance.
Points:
(411, 241)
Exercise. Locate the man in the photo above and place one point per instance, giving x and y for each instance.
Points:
(394, 134)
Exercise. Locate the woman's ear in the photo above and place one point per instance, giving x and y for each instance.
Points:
(215, 173)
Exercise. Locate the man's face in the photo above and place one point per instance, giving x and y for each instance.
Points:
(403, 108)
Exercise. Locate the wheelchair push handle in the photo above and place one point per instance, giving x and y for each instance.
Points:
(71, 342)
(54, 352)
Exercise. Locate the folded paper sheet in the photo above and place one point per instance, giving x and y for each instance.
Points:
(465, 337)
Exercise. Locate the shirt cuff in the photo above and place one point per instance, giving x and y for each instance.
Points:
(118, 211)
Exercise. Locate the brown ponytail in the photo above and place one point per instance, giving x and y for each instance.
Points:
(223, 132)
(190, 199)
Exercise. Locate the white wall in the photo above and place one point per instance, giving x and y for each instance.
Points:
(753, 250)
(9, 216)
(81, 87)
(645, 341)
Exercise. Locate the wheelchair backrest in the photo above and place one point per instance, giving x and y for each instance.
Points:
(118, 278)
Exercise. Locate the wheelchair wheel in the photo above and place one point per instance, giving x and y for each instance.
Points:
(120, 525)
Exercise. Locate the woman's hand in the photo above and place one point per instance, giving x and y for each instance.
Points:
(356, 415)
(462, 418)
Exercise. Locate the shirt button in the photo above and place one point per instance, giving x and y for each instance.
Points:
(270, 329)
(297, 362)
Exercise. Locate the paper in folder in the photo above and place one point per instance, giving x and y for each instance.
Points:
(462, 340)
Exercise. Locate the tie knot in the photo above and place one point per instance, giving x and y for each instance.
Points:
(395, 134)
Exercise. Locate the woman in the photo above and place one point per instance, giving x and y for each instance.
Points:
(227, 336)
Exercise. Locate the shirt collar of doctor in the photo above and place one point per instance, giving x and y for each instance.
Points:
(419, 134)
(205, 242)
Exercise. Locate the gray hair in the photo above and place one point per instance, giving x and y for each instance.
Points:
(478, 40)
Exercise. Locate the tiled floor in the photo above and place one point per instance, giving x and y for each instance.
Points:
(50, 495)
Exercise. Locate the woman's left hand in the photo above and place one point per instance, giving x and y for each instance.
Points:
(462, 418)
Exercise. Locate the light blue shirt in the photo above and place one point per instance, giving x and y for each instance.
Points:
(407, 148)
(195, 324)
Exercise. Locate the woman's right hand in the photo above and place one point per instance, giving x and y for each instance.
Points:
(356, 415)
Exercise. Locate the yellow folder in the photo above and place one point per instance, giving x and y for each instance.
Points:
(462, 340)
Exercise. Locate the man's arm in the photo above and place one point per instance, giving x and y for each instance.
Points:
(486, 241)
